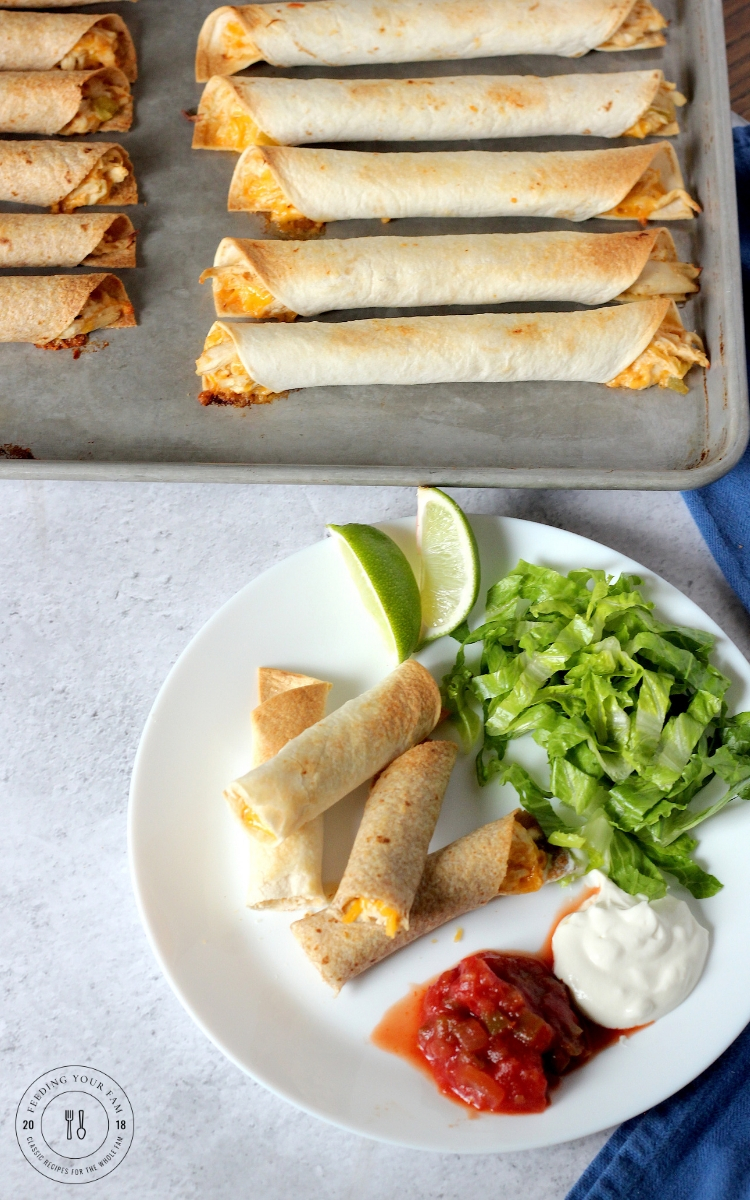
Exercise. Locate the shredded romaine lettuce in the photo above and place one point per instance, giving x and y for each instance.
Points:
(629, 710)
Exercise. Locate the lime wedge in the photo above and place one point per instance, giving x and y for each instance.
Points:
(386, 584)
(449, 583)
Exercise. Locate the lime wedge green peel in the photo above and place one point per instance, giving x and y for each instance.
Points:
(449, 557)
(385, 582)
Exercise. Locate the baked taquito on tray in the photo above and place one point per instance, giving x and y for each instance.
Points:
(301, 189)
(65, 102)
(333, 757)
(283, 279)
(66, 240)
(390, 849)
(343, 32)
(236, 113)
(63, 176)
(634, 345)
(33, 41)
(505, 858)
(287, 875)
(59, 311)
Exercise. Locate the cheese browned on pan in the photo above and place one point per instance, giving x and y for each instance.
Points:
(61, 309)
(635, 345)
(344, 32)
(32, 41)
(282, 279)
(63, 176)
(301, 189)
(236, 113)
(65, 102)
(507, 857)
(66, 240)
(330, 759)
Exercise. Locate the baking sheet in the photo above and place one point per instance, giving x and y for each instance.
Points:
(129, 411)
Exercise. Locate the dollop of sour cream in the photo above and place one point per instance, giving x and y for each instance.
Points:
(628, 960)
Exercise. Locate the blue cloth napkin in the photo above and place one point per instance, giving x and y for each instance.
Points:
(696, 1145)
(722, 509)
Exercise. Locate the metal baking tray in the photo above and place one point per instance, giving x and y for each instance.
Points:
(130, 410)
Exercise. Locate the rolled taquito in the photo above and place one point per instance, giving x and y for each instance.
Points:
(31, 41)
(61, 310)
(65, 102)
(286, 876)
(66, 240)
(330, 759)
(236, 113)
(506, 857)
(636, 345)
(282, 279)
(390, 849)
(343, 32)
(302, 189)
(63, 176)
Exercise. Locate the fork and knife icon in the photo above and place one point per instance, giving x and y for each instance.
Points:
(70, 1118)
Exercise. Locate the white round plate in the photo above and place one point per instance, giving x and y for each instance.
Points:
(242, 976)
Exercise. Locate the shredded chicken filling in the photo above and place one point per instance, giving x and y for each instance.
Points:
(100, 102)
(666, 360)
(659, 117)
(641, 28)
(112, 243)
(648, 196)
(236, 43)
(673, 279)
(373, 910)
(225, 380)
(526, 864)
(97, 48)
(100, 311)
(261, 193)
(239, 293)
(96, 188)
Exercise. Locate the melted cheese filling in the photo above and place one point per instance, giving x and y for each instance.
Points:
(666, 360)
(97, 48)
(225, 380)
(659, 117)
(261, 193)
(238, 293)
(101, 310)
(97, 186)
(361, 907)
(641, 29)
(236, 43)
(526, 864)
(649, 196)
(111, 244)
(673, 279)
(226, 125)
(100, 102)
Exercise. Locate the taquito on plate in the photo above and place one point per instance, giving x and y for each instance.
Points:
(286, 876)
(343, 32)
(32, 41)
(65, 102)
(63, 176)
(505, 858)
(634, 345)
(66, 240)
(282, 279)
(60, 311)
(236, 113)
(330, 759)
(301, 189)
(390, 849)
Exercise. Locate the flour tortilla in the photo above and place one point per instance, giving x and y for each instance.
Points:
(478, 268)
(44, 173)
(32, 41)
(502, 858)
(591, 346)
(344, 185)
(294, 112)
(344, 32)
(67, 240)
(45, 101)
(390, 849)
(287, 876)
(329, 760)
(38, 308)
